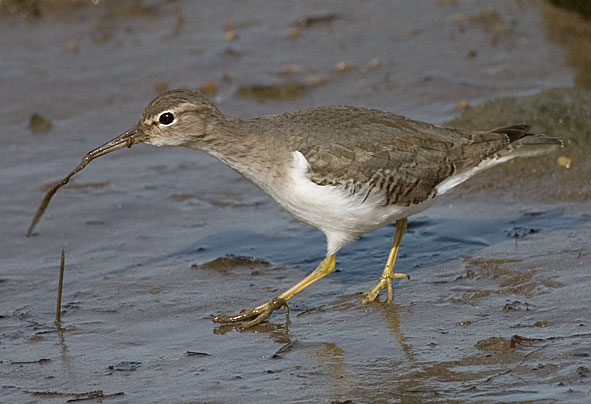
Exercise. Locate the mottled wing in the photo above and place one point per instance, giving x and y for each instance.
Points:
(404, 159)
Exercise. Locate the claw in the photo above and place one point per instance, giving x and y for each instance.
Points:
(388, 275)
(251, 317)
(385, 282)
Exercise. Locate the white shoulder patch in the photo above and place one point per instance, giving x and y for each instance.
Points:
(301, 163)
(342, 216)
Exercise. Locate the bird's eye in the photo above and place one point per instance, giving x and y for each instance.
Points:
(166, 118)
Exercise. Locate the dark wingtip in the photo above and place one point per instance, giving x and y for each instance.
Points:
(514, 132)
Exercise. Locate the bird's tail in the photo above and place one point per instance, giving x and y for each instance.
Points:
(523, 143)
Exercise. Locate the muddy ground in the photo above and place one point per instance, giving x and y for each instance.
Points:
(159, 240)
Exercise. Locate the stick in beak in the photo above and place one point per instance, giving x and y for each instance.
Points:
(127, 139)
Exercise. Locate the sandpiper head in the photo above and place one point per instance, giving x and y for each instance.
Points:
(175, 118)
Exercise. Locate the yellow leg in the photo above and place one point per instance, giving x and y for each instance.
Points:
(388, 275)
(260, 313)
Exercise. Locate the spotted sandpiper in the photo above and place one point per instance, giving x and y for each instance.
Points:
(344, 170)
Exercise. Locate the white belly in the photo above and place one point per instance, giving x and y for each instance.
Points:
(344, 217)
(341, 216)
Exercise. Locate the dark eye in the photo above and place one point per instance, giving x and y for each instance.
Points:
(166, 118)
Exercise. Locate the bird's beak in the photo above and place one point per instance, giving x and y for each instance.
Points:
(127, 139)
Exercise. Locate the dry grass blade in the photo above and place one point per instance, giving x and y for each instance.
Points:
(87, 159)
(58, 312)
(126, 139)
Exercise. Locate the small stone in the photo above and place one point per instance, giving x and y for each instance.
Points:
(39, 124)
(180, 22)
(344, 66)
(230, 35)
(292, 70)
(229, 51)
(493, 344)
(564, 161)
(161, 87)
(316, 20)
(283, 91)
(125, 366)
(294, 33)
(229, 25)
(375, 63)
(209, 88)
(195, 353)
(463, 105)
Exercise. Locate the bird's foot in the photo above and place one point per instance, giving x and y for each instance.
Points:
(385, 282)
(251, 317)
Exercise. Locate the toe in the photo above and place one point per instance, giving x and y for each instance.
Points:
(252, 317)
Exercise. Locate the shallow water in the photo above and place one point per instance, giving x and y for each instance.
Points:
(503, 258)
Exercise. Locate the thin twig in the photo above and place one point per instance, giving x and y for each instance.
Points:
(58, 312)
(124, 140)
(87, 158)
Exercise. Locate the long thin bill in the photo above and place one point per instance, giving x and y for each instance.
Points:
(126, 139)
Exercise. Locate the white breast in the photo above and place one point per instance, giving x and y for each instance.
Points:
(343, 217)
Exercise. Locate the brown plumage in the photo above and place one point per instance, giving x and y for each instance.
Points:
(363, 149)
(345, 170)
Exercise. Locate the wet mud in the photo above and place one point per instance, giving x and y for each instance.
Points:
(158, 241)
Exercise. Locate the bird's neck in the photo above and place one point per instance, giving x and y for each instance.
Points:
(244, 147)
